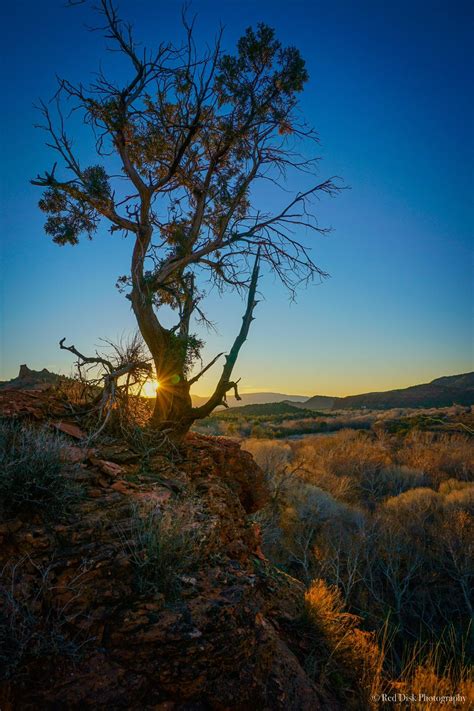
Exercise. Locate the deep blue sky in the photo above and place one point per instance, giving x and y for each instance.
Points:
(391, 95)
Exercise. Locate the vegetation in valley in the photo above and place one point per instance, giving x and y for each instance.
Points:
(283, 420)
(386, 521)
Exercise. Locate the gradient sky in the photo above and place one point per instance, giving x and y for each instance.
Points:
(391, 96)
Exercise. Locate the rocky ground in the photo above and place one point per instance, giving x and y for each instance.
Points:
(83, 635)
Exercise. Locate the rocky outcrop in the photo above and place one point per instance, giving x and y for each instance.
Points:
(86, 637)
(31, 379)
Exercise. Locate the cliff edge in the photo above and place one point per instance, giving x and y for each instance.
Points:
(149, 590)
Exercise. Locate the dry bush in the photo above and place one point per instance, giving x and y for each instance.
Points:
(307, 508)
(281, 475)
(340, 551)
(296, 511)
(355, 467)
(392, 481)
(429, 536)
(454, 546)
(351, 662)
(408, 526)
(347, 464)
(77, 392)
(454, 485)
(385, 519)
(112, 381)
(346, 453)
(461, 498)
(270, 455)
(413, 505)
(440, 457)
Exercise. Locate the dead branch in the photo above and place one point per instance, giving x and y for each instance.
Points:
(139, 369)
(206, 368)
(225, 384)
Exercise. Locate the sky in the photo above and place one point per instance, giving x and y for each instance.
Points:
(391, 96)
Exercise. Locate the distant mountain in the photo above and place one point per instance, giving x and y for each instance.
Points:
(441, 392)
(254, 399)
(319, 402)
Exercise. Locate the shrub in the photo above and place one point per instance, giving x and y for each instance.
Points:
(32, 471)
(374, 486)
(450, 485)
(408, 522)
(388, 519)
(461, 498)
(417, 502)
(345, 464)
(272, 457)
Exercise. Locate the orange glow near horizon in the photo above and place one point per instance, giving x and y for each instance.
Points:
(149, 388)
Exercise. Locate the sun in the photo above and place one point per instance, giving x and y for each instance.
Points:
(150, 387)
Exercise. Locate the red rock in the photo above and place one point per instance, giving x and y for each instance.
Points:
(109, 468)
(158, 498)
(70, 429)
(74, 454)
(123, 487)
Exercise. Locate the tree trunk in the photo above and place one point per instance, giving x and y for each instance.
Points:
(173, 405)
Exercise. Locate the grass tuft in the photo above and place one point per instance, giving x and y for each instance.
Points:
(32, 471)
(164, 545)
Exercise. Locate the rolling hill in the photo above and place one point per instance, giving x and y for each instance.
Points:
(259, 398)
(441, 392)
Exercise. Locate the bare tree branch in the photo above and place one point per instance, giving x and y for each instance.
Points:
(224, 384)
(193, 380)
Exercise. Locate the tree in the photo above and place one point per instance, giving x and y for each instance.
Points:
(191, 135)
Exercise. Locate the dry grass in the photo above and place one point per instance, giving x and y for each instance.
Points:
(352, 664)
(440, 672)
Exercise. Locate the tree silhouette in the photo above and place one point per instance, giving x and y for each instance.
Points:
(191, 134)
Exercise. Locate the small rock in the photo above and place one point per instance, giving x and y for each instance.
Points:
(70, 429)
(106, 467)
(122, 487)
